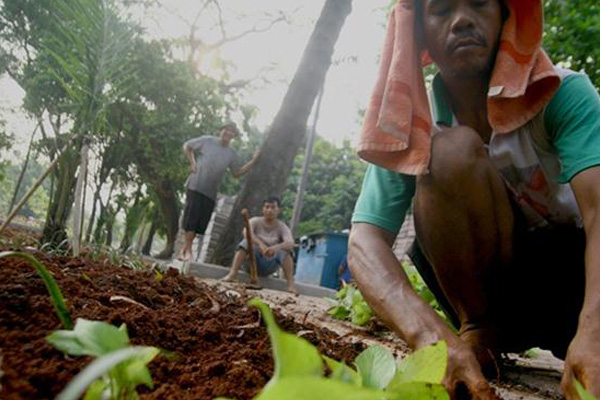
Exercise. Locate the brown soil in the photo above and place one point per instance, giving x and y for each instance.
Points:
(222, 349)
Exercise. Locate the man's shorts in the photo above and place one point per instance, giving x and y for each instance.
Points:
(265, 266)
(537, 299)
(197, 212)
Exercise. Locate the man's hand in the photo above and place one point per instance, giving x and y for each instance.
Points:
(270, 251)
(263, 249)
(464, 371)
(582, 363)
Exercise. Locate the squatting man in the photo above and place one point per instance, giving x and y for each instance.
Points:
(272, 245)
(502, 160)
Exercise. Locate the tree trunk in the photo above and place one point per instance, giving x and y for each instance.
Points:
(23, 170)
(62, 200)
(169, 208)
(287, 133)
(147, 248)
(133, 218)
(90, 227)
(80, 201)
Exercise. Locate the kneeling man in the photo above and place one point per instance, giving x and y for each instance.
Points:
(272, 244)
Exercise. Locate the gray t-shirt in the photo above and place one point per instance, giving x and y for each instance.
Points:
(212, 160)
(271, 235)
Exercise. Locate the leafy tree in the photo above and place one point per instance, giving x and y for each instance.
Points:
(5, 145)
(164, 106)
(572, 34)
(334, 181)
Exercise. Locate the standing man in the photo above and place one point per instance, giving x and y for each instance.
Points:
(209, 158)
(505, 176)
(273, 245)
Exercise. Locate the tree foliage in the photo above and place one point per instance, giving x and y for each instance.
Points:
(572, 34)
(334, 182)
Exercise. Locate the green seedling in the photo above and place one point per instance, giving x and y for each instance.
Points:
(118, 368)
(349, 304)
(56, 296)
(299, 373)
(112, 376)
(582, 393)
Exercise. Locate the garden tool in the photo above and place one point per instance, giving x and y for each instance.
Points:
(253, 269)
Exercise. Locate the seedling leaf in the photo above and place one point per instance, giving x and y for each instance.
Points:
(56, 296)
(583, 394)
(425, 365)
(96, 390)
(341, 372)
(294, 356)
(90, 338)
(419, 391)
(376, 366)
(101, 366)
(314, 388)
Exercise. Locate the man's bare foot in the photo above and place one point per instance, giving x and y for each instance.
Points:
(293, 290)
(229, 278)
(184, 256)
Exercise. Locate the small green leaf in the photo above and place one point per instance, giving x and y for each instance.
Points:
(339, 312)
(424, 365)
(361, 313)
(56, 296)
(419, 391)
(100, 367)
(136, 370)
(313, 388)
(90, 338)
(341, 372)
(96, 390)
(376, 366)
(583, 394)
(294, 356)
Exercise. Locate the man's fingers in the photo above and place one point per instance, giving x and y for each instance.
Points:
(482, 390)
(568, 385)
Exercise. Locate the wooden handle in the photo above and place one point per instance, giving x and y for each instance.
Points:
(253, 268)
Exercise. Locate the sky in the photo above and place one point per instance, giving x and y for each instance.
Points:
(273, 55)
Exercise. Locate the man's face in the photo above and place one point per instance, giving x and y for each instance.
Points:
(462, 35)
(227, 134)
(270, 211)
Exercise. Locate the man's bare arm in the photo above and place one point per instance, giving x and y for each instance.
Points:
(189, 154)
(386, 288)
(246, 167)
(583, 357)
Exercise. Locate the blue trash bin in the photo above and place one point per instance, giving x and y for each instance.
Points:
(319, 258)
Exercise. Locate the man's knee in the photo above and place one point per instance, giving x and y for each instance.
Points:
(456, 151)
(456, 157)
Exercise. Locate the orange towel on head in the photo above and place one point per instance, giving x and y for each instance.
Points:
(397, 128)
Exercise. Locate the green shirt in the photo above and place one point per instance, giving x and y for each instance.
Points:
(570, 126)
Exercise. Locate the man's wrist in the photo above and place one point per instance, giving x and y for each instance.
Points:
(590, 316)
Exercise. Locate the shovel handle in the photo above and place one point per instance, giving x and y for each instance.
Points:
(253, 268)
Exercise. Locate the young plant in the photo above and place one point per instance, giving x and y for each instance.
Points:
(118, 368)
(56, 296)
(582, 393)
(299, 371)
(350, 305)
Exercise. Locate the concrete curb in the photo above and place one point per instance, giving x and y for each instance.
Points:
(212, 271)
